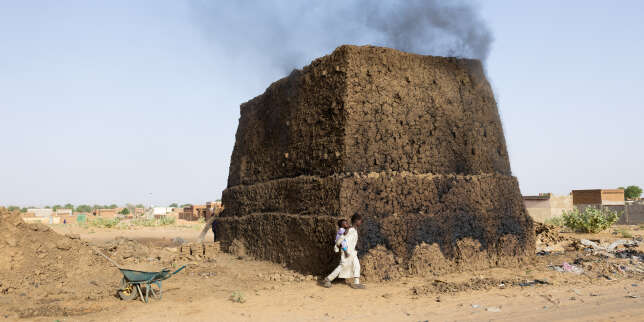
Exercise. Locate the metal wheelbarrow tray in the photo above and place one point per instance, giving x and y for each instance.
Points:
(133, 281)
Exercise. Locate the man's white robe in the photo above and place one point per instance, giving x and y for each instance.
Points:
(349, 264)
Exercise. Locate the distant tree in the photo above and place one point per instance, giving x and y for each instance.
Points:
(13, 208)
(83, 208)
(47, 207)
(68, 206)
(112, 206)
(23, 210)
(632, 192)
(56, 207)
(186, 205)
(173, 205)
(218, 200)
(124, 211)
(140, 206)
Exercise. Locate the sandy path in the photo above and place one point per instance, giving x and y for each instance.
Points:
(99, 235)
(308, 302)
(193, 297)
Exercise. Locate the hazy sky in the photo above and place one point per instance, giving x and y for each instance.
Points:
(138, 101)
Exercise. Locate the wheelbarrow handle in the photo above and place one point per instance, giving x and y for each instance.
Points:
(179, 270)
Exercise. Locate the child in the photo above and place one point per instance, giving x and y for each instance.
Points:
(343, 228)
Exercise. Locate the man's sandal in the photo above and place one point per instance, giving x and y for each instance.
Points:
(326, 283)
(358, 286)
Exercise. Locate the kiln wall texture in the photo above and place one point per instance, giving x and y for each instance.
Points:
(412, 143)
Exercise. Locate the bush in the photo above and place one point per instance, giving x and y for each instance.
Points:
(624, 233)
(590, 220)
(238, 297)
(163, 221)
(104, 222)
(84, 208)
(166, 220)
(555, 221)
(632, 192)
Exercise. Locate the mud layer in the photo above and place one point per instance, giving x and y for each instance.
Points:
(390, 247)
(371, 109)
(375, 193)
(412, 143)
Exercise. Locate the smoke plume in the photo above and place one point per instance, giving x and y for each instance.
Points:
(289, 34)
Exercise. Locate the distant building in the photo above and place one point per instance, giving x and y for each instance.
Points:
(546, 205)
(598, 197)
(40, 212)
(162, 211)
(206, 211)
(41, 220)
(40, 215)
(613, 199)
(106, 212)
(212, 209)
(191, 212)
(63, 212)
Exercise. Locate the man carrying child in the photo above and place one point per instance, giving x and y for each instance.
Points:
(349, 264)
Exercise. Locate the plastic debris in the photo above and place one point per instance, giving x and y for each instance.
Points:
(567, 268)
(534, 282)
(611, 247)
(571, 268)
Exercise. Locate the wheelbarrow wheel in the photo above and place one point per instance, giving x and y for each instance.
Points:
(127, 295)
(127, 292)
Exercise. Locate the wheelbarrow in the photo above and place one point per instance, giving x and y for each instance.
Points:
(133, 281)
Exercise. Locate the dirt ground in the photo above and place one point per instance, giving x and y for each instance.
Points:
(608, 289)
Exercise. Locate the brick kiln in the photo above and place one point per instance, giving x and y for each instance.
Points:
(412, 143)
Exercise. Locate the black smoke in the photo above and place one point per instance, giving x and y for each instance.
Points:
(289, 34)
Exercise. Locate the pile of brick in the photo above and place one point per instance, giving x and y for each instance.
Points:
(203, 251)
(412, 143)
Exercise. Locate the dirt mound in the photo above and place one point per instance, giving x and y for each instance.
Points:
(42, 271)
(131, 254)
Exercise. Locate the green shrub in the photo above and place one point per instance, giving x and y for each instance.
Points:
(166, 220)
(625, 233)
(555, 221)
(632, 192)
(237, 297)
(590, 220)
(163, 221)
(104, 222)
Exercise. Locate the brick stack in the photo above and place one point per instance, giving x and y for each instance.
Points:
(412, 143)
